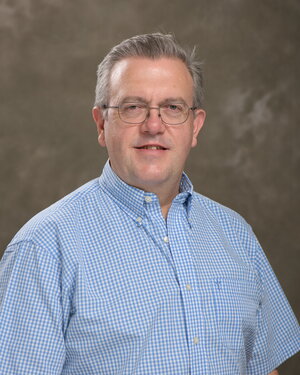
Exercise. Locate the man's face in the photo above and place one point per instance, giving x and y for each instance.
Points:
(150, 155)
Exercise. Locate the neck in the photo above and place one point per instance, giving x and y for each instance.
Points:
(165, 196)
(165, 210)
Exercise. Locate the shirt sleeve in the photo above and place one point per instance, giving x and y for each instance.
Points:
(278, 333)
(31, 334)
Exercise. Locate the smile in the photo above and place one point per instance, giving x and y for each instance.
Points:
(151, 148)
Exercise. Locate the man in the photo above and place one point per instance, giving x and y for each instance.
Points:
(135, 273)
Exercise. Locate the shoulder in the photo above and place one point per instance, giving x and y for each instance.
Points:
(228, 223)
(220, 212)
(60, 216)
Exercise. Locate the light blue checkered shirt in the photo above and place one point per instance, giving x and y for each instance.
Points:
(100, 283)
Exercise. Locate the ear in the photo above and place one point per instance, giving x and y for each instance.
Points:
(198, 122)
(98, 117)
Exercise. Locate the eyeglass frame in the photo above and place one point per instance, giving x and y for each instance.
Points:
(104, 106)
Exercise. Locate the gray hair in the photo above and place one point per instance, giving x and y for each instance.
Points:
(153, 46)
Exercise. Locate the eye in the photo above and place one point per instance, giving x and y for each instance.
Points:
(131, 107)
(176, 108)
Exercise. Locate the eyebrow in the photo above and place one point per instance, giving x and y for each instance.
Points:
(133, 99)
(178, 99)
(139, 99)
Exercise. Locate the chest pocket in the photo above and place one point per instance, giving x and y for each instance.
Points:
(237, 302)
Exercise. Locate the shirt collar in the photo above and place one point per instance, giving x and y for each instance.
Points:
(132, 199)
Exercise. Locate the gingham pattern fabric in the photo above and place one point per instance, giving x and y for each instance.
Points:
(100, 283)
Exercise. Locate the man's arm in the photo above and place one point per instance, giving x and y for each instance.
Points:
(275, 372)
(31, 335)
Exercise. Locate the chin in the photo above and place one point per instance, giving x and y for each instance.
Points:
(148, 181)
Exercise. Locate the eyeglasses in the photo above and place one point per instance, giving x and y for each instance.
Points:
(136, 113)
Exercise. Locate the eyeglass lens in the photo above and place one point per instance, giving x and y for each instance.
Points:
(172, 114)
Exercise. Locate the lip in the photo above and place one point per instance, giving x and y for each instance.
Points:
(151, 147)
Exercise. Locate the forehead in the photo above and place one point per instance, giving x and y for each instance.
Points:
(148, 78)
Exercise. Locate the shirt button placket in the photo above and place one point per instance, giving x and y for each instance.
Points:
(139, 221)
(196, 340)
(166, 239)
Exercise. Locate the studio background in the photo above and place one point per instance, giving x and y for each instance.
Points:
(248, 152)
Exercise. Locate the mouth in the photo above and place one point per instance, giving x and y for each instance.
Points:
(151, 147)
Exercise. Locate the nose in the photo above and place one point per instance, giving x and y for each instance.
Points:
(153, 123)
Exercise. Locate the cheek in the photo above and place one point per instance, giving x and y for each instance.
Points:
(116, 140)
(186, 141)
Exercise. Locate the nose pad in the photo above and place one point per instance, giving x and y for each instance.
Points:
(149, 112)
(153, 122)
(153, 117)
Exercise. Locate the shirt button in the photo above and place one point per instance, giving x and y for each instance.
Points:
(196, 340)
(139, 219)
(148, 199)
(166, 239)
(188, 287)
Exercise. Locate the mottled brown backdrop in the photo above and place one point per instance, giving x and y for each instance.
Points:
(248, 153)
